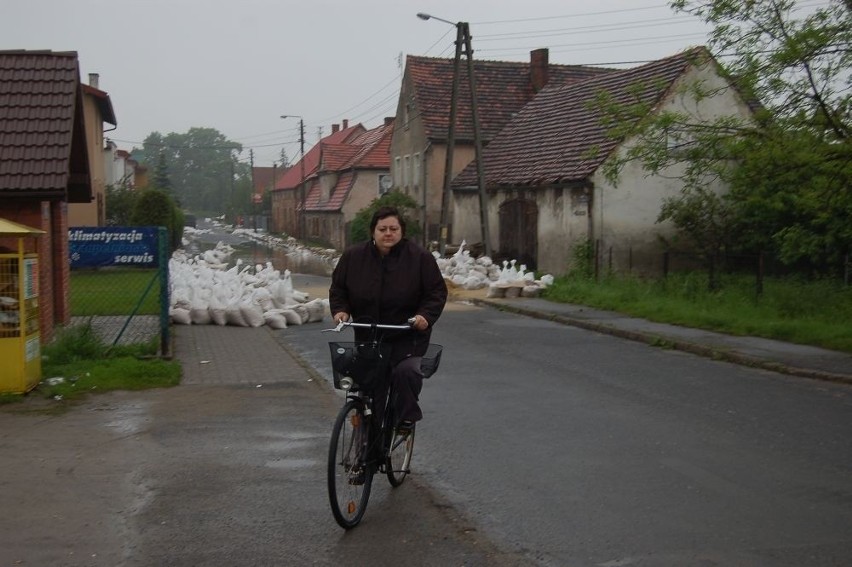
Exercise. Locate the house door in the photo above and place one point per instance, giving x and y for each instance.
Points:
(518, 231)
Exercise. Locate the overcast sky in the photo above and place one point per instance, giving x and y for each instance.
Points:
(238, 65)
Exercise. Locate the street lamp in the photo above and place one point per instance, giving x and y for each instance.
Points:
(302, 172)
(462, 39)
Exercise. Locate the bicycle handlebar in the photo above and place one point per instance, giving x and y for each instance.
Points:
(343, 324)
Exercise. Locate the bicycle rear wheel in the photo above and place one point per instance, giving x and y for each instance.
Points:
(399, 456)
(350, 476)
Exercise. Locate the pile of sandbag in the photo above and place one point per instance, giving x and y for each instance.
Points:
(204, 291)
(509, 280)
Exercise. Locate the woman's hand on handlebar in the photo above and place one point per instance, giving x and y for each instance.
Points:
(419, 322)
(341, 317)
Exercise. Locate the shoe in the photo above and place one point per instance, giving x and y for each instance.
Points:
(404, 427)
(357, 477)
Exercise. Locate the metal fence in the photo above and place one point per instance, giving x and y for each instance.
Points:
(119, 284)
(659, 265)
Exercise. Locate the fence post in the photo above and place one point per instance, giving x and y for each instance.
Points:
(597, 259)
(163, 246)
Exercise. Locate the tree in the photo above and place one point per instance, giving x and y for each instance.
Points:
(789, 168)
(155, 208)
(359, 230)
(161, 180)
(202, 167)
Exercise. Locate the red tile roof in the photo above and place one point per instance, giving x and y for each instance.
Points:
(336, 198)
(39, 96)
(502, 88)
(293, 176)
(369, 150)
(550, 139)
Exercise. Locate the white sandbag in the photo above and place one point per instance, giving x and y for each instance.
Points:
(198, 313)
(181, 297)
(513, 291)
(495, 291)
(275, 319)
(300, 296)
(200, 316)
(263, 298)
(252, 314)
(530, 291)
(302, 311)
(316, 310)
(180, 316)
(292, 317)
(216, 308)
(234, 316)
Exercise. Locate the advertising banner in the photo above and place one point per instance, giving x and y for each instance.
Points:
(93, 247)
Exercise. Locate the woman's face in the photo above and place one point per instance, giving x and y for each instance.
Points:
(387, 233)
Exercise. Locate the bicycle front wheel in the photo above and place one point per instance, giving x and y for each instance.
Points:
(349, 474)
(399, 456)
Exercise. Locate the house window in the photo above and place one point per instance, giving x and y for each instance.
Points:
(397, 171)
(408, 112)
(415, 174)
(406, 171)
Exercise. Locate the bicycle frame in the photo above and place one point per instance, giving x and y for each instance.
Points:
(363, 444)
(377, 443)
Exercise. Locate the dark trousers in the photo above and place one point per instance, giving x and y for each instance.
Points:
(407, 382)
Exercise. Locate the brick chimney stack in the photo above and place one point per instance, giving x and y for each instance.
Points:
(389, 119)
(539, 68)
(345, 123)
(335, 128)
(94, 80)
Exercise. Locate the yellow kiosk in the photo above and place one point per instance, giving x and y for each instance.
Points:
(20, 346)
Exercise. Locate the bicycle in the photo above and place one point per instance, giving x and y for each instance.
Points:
(360, 445)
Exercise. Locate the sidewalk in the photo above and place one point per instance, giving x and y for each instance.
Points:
(778, 356)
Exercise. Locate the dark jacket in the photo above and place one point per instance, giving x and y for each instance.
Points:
(390, 289)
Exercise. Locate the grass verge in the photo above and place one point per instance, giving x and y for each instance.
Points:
(78, 363)
(817, 313)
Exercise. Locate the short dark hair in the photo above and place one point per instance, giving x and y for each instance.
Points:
(383, 213)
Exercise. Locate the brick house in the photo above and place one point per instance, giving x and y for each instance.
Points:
(419, 144)
(44, 164)
(286, 196)
(348, 178)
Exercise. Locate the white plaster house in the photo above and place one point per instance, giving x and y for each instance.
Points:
(545, 188)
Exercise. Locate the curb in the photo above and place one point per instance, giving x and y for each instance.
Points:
(673, 343)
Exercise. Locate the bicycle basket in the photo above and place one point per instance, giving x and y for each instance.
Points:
(365, 362)
(430, 361)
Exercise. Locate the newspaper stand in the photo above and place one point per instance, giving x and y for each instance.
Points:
(20, 346)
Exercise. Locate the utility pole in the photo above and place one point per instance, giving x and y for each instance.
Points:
(462, 39)
(451, 142)
(301, 216)
(251, 193)
(302, 223)
(477, 142)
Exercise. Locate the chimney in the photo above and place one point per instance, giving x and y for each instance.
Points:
(539, 68)
(93, 80)
(335, 128)
(389, 120)
(345, 123)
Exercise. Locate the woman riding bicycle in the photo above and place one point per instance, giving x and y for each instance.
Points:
(391, 279)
